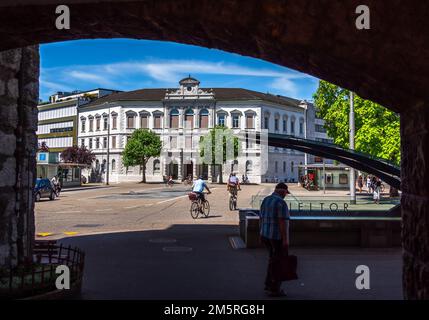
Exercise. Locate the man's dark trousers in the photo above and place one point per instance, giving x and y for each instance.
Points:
(275, 250)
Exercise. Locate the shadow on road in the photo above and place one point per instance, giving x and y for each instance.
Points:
(198, 262)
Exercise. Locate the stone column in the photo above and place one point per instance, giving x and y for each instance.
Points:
(194, 169)
(19, 90)
(415, 201)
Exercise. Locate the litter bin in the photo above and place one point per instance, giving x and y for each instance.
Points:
(243, 213)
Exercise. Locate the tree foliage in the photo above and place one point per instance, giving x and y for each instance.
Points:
(80, 155)
(376, 128)
(209, 142)
(143, 145)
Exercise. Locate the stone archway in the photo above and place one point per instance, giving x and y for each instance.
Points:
(387, 64)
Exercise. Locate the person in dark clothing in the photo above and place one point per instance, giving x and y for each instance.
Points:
(274, 232)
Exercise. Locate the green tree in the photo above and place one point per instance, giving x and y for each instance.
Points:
(377, 128)
(143, 145)
(211, 143)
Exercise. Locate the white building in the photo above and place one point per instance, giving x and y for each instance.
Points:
(57, 129)
(181, 116)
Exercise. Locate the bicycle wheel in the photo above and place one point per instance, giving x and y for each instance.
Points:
(195, 209)
(231, 203)
(234, 202)
(206, 208)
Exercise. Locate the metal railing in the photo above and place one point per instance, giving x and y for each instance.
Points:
(40, 276)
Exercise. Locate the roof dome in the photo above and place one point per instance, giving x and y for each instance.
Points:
(189, 81)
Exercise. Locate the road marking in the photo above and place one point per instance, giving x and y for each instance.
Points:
(70, 233)
(132, 207)
(68, 212)
(44, 234)
(101, 210)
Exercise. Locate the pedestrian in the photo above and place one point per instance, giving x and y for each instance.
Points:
(360, 183)
(274, 232)
(368, 183)
(377, 190)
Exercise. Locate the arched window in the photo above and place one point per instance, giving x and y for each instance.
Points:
(204, 118)
(249, 167)
(189, 118)
(292, 125)
(144, 120)
(113, 164)
(156, 166)
(131, 117)
(174, 118)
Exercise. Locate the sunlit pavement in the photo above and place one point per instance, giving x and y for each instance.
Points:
(141, 243)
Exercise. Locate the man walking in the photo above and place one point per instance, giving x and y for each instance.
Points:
(274, 232)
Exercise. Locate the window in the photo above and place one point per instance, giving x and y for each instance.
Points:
(113, 141)
(173, 142)
(144, 122)
(113, 165)
(248, 167)
(174, 119)
(343, 178)
(284, 125)
(320, 128)
(276, 166)
(189, 119)
(90, 143)
(104, 142)
(221, 120)
(83, 125)
(301, 128)
(204, 118)
(249, 121)
(91, 124)
(82, 142)
(114, 122)
(284, 166)
(291, 167)
(236, 120)
(97, 143)
(266, 122)
(98, 124)
(130, 121)
(156, 166)
(276, 124)
(105, 122)
(292, 126)
(157, 121)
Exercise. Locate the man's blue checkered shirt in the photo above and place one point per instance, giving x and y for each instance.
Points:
(273, 207)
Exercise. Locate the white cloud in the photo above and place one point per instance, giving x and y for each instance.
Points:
(166, 73)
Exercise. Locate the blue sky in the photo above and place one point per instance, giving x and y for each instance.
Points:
(126, 64)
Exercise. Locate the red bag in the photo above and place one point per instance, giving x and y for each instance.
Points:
(192, 196)
(284, 268)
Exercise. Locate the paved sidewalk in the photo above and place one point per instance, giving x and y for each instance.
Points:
(197, 262)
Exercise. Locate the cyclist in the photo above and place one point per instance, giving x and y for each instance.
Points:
(233, 184)
(198, 188)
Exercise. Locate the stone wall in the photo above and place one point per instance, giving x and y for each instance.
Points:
(415, 201)
(19, 87)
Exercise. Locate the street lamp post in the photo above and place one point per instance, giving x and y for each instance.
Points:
(352, 147)
(108, 146)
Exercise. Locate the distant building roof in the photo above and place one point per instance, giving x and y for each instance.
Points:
(225, 94)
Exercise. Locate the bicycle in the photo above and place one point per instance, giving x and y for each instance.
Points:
(233, 199)
(198, 206)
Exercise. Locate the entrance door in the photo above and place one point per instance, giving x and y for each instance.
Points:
(173, 170)
(188, 170)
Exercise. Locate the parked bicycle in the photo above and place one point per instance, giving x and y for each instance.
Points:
(199, 205)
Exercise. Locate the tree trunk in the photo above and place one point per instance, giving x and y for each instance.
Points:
(144, 172)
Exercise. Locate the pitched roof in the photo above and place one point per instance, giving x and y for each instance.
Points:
(222, 94)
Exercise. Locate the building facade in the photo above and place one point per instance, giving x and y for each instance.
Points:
(181, 116)
(57, 129)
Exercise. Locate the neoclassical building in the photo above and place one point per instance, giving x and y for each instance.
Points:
(180, 116)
